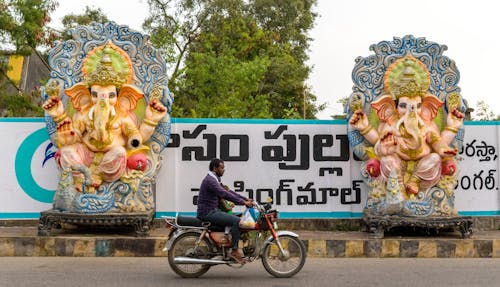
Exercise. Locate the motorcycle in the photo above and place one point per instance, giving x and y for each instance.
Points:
(194, 246)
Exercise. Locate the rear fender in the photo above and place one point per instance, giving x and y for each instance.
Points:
(178, 233)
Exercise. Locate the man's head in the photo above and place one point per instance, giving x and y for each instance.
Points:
(217, 166)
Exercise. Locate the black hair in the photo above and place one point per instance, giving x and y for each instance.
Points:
(214, 163)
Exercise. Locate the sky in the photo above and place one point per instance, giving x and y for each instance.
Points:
(345, 30)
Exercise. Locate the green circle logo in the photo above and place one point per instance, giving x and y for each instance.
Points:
(24, 177)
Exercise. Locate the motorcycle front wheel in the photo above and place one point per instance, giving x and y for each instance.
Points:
(185, 246)
(287, 264)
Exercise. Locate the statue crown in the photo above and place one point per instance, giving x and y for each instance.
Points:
(410, 90)
(407, 85)
(105, 74)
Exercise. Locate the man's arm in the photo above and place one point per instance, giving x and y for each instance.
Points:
(233, 192)
(221, 192)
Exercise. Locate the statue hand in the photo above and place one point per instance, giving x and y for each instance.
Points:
(448, 152)
(66, 134)
(359, 120)
(455, 119)
(388, 143)
(155, 111)
(54, 106)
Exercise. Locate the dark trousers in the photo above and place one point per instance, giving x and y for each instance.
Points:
(221, 218)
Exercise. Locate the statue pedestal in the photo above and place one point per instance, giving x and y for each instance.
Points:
(379, 224)
(141, 222)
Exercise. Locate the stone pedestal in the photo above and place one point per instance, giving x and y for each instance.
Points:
(377, 225)
(141, 222)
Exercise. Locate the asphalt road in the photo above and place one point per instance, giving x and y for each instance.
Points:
(129, 271)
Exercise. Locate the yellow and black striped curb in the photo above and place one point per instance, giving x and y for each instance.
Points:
(345, 248)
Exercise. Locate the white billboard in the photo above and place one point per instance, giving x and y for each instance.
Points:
(304, 165)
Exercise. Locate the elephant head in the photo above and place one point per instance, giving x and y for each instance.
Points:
(407, 82)
(102, 104)
(413, 114)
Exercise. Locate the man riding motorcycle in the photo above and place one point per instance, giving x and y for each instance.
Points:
(211, 191)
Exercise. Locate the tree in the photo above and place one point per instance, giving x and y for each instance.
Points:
(483, 112)
(23, 23)
(287, 24)
(173, 26)
(23, 28)
(18, 105)
(89, 15)
(344, 102)
(230, 60)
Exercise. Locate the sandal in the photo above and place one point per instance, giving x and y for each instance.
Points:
(235, 254)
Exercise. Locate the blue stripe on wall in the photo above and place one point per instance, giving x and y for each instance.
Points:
(494, 123)
(20, 215)
(284, 215)
(22, 120)
(328, 215)
(480, 213)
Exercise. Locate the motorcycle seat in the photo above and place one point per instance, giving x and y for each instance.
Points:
(184, 220)
(192, 221)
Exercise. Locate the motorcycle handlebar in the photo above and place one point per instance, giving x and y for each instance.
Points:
(262, 207)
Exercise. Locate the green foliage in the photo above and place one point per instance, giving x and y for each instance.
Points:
(22, 23)
(90, 15)
(223, 87)
(86, 18)
(235, 58)
(484, 113)
(18, 106)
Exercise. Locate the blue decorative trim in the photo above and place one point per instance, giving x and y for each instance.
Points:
(368, 73)
(355, 138)
(21, 120)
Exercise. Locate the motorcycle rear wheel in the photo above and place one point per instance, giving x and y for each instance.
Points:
(284, 266)
(184, 246)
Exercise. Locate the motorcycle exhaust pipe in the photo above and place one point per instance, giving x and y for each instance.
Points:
(189, 260)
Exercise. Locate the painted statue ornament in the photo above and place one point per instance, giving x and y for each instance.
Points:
(110, 122)
(407, 136)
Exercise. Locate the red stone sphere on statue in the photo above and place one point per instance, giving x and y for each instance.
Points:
(137, 161)
(373, 167)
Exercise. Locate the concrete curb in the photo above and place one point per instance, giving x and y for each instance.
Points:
(323, 238)
(328, 248)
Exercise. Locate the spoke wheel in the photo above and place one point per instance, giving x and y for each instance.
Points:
(185, 246)
(284, 264)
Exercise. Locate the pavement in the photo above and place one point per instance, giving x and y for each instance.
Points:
(23, 240)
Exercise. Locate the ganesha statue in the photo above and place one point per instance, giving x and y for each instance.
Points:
(405, 122)
(107, 112)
